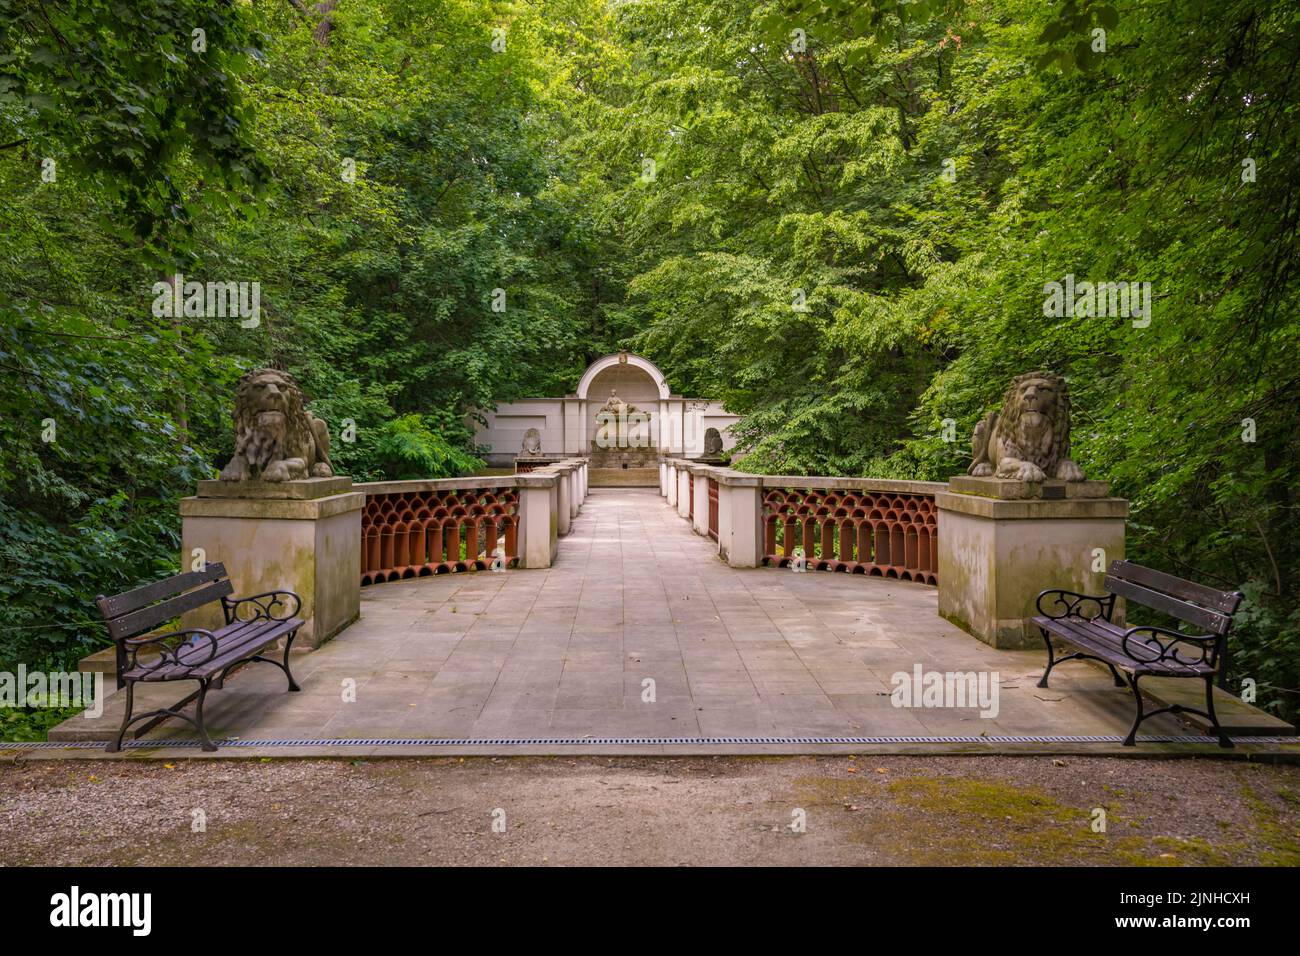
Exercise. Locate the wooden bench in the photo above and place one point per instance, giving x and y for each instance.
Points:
(1085, 622)
(252, 624)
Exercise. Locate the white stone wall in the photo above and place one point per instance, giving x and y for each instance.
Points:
(504, 432)
(672, 422)
(568, 425)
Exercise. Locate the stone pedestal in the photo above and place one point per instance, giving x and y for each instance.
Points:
(740, 519)
(301, 536)
(539, 499)
(564, 500)
(998, 550)
(700, 520)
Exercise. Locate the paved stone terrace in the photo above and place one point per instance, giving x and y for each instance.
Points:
(635, 594)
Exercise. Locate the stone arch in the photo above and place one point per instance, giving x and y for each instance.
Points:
(637, 382)
(620, 359)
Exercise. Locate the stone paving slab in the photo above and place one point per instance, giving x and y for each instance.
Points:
(635, 596)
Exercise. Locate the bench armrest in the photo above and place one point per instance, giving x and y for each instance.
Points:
(267, 606)
(1204, 648)
(167, 653)
(1057, 603)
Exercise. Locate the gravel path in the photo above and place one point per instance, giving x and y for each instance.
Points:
(651, 811)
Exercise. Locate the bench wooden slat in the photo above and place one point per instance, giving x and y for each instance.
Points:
(137, 622)
(1210, 621)
(227, 637)
(1223, 601)
(247, 648)
(1106, 641)
(147, 594)
(234, 642)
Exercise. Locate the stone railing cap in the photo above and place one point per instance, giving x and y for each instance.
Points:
(729, 476)
(543, 477)
(899, 485)
(482, 483)
(311, 509)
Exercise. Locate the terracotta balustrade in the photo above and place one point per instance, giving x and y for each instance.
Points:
(887, 534)
(412, 529)
(412, 534)
(867, 526)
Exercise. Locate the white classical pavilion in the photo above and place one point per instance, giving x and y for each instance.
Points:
(569, 426)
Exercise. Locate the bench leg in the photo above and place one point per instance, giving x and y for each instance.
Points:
(293, 684)
(116, 745)
(1051, 660)
(204, 740)
(130, 717)
(283, 665)
(1209, 708)
(1131, 739)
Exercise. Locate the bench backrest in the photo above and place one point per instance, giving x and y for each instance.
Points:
(1203, 607)
(144, 608)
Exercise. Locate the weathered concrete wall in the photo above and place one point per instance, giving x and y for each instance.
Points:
(504, 431)
(995, 557)
(309, 546)
(739, 506)
(742, 543)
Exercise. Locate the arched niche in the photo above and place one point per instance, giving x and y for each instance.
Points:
(623, 370)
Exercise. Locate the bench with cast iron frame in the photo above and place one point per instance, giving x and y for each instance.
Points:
(194, 653)
(1084, 622)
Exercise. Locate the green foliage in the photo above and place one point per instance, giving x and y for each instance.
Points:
(32, 723)
(139, 107)
(408, 448)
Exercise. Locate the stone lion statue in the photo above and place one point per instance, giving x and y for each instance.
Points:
(532, 442)
(276, 438)
(1029, 439)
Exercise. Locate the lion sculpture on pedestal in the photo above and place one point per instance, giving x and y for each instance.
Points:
(276, 438)
(1029, 439)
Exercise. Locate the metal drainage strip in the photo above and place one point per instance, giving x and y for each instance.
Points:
(630, 741)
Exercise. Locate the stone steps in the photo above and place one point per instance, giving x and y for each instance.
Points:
(623, 478)
(1236, 716)
(174, 695)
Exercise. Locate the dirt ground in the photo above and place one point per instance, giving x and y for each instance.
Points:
(652, 811)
